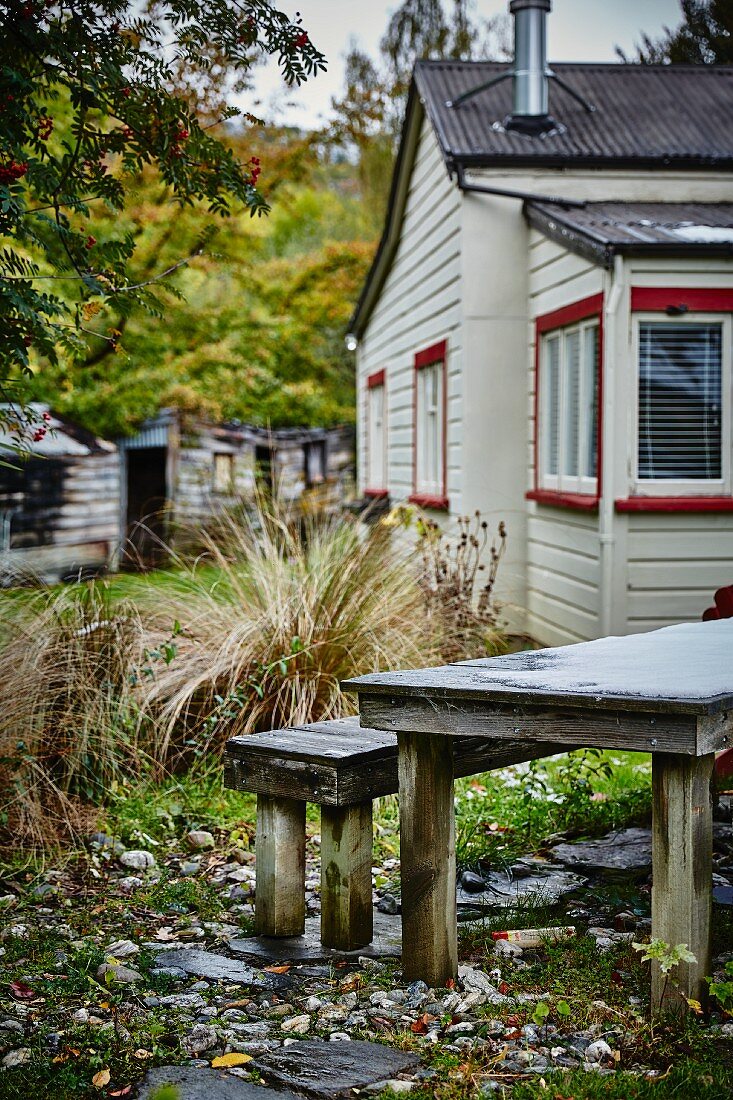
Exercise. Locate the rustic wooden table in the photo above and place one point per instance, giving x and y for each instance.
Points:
(668, 692)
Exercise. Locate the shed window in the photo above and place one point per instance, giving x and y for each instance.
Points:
(568, 426)
(223, 479)
(314, 455)
(683, 420)
(376, 434)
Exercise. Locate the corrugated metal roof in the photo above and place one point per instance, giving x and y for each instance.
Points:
(602, 228)
(64, 438)
(644, 114)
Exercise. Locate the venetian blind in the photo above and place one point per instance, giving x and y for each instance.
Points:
(680, 395)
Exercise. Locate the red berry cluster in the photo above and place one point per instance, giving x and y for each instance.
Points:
(90, 241)
(301, 41)
(12, 171)
(40, 432)
(127, 133)
(182, 134)
(45, 126)
(254, 170)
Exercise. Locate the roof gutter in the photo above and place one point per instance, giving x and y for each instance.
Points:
(503, 192)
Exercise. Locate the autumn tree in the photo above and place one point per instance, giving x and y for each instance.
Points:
(704, 37)
(93, 92)
(367, 116)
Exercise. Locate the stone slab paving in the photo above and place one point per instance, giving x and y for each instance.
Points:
(214, 967)
(625, 851)
(195, 1083)
(326, 1070)
(387, 943)
(543, 884)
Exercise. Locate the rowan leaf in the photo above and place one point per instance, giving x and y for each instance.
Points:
(232, 1059)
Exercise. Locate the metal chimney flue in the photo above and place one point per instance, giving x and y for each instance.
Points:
(530, 74)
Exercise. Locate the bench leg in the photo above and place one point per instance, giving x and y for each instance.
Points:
(346, 876)
(427, 858)
(280, 866)
(682, 841)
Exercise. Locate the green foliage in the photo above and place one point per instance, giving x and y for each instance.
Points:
(667, 956)
(256, 333)
(723, 991)
(90, 96)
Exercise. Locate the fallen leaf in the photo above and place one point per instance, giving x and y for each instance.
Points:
(450, 983)
(99, 1080)
(121, 1092)
(165, 935)
(22, 991)
(277, 969)
(142, 1054)
(232, 1059)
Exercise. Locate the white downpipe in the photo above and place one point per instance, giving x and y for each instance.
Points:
(610, 440)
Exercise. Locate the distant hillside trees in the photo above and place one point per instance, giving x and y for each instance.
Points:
(704, 37)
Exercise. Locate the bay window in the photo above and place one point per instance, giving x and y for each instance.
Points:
(683, 422)
(568, 421)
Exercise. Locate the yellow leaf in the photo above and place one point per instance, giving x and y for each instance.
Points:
(232, 1059)
(99, 1080)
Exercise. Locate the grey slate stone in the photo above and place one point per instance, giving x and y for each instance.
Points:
(325, 1070)
(194, 1083)
(503, 888)
(624, 852)
(206, 964)
(386, 943)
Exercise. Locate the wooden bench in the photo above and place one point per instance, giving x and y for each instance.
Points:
(342, 767)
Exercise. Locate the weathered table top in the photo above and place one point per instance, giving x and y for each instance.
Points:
(602, 692)
(684, 669)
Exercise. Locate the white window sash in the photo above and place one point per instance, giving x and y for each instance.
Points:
(567, 430)
(722, 486)
(429, 429)
(376, 437)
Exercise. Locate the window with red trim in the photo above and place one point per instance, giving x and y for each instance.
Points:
(430, 427)
(683, 404)
(376, 433)
(568, 381)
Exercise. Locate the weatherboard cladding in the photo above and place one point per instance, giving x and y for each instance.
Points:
(644, 114)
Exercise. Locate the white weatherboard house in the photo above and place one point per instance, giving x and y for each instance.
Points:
(546, 330)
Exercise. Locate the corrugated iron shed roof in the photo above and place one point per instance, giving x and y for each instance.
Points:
(64, 438)
(600, 229)
(644, 114)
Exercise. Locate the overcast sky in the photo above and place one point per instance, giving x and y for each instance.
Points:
(578, 30)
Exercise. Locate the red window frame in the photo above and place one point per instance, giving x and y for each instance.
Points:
(670, 300)
(581, 310)
(436, 353)
(377, 378)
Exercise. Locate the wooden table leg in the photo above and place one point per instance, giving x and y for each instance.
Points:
(280, 867)
(682, 843)
(427, 858)
(346, 876)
